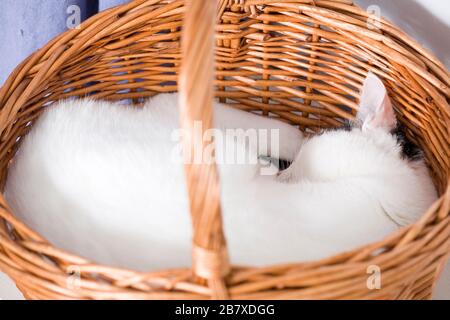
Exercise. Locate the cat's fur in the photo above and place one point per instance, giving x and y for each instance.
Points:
(96, 178)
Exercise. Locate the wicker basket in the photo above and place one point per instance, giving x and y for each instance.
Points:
(302, 61)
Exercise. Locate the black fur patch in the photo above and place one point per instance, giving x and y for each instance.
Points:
(283, 164)
(409, 150)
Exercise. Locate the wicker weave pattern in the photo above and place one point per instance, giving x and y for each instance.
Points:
(302, 61)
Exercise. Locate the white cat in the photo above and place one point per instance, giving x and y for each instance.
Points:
(99, 179)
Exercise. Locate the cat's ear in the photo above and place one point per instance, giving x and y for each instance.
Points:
(375, 106)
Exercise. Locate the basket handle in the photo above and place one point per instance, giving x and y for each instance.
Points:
(210, 255)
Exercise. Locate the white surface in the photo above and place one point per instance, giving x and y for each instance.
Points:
(8, 290)
(427, 21)
(442, 289)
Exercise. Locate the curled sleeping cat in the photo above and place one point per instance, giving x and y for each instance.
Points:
(100, 179)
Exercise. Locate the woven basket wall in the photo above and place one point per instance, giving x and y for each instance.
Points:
(302, 61)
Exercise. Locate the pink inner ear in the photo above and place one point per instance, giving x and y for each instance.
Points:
(385, 117)
(376, 109)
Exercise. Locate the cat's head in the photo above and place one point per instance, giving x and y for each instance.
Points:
(376, 116)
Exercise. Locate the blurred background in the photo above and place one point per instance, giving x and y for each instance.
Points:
(26, 25)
